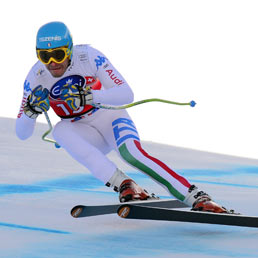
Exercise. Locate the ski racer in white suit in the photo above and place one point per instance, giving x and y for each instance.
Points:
(71, 78)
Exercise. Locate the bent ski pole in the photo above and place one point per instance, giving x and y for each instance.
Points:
(44, 136)
(191, 103)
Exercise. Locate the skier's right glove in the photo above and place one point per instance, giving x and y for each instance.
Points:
(37, 102)
(75, 96)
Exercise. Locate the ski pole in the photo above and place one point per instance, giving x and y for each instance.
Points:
(44, 136)
(191, 103)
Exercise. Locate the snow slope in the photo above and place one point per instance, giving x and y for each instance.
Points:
(39, 184)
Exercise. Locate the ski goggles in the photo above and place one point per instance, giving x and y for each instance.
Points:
(57, 55)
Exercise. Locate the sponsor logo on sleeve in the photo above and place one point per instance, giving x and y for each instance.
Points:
(24, 100)
(27, 86)
(113, 77)
(100, 61)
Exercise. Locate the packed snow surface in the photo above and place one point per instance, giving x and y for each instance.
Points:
(39, 185)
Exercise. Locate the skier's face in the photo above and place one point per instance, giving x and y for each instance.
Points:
(57, 70)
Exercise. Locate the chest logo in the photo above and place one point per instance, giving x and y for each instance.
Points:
(69, 80)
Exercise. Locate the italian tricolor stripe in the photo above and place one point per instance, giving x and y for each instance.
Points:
(131, 159)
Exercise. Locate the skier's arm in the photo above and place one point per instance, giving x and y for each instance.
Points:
(24, 127)
(24, 124)
(117, 91)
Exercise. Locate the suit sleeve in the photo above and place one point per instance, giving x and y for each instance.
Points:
(116, 89)
(25, 125)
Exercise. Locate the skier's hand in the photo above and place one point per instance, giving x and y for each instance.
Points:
(76, 96)
(37, 102)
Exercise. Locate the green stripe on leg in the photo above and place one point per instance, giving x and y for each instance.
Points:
(136, 163)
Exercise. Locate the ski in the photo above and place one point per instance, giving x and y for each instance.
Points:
(163, 214)
(87, 211)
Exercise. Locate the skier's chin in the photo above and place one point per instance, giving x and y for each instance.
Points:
(57, 72)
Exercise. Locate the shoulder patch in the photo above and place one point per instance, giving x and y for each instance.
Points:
(40, 72)
(81, 52)
(83, 57)
(100, 60)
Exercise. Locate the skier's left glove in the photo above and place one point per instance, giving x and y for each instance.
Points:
(75, 96)
(37, 102)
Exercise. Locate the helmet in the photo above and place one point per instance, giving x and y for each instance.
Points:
(53, 35)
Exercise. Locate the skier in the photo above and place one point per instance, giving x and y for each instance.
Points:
(69, 79)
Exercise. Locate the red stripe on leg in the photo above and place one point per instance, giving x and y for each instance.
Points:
(181, 179)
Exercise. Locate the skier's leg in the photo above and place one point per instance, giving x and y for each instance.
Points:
(133, 153)
(126, 141)
(86, 145)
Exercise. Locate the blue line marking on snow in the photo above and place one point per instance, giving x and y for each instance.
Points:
(220, 172)
(87, 183)
(71, 183)
(15, 188)
(3, 224)
(226, 184)
(29, 189)
(228, 177)
(210, 172)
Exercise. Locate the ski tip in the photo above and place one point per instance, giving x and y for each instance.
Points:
(76, 211)
(192, 103)
(123, 211)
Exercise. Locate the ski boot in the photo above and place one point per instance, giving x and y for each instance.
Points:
(127, 188)
(130, 191)
(203, 202)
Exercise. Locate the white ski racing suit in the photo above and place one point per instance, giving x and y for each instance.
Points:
(89, 133)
